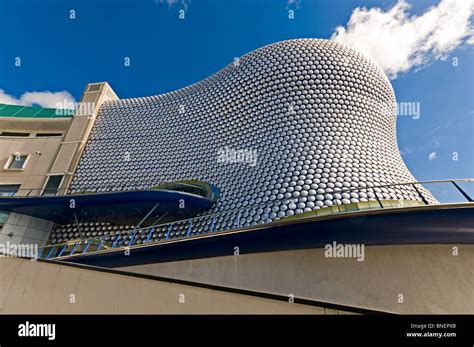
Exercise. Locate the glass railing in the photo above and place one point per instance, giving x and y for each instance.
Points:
(195, 187)
(369, 197)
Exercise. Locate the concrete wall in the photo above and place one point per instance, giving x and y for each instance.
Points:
(42, 151)
(70, 152)
(47, 156)
(38, 287)
(430, 278)
(22, 229)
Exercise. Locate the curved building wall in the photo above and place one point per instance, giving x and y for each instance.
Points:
(317, 116)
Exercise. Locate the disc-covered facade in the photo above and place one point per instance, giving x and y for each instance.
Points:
(285, 129)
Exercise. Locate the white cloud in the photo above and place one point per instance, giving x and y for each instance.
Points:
(406, 151)
(398, 41)
(293, 3)
(44, 99)
(432, 156)
(182, 3)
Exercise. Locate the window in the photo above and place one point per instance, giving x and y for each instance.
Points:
(49, 134)
(14, 134)
(7, 190)
(94, 87)
(52, 185)
(16, 162)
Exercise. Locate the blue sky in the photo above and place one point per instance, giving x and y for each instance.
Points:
(167, 53)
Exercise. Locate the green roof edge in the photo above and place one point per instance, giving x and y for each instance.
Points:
(20, 111)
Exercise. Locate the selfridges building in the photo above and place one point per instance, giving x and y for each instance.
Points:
(304, 124)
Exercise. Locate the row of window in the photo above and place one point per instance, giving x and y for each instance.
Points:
(50, 188)
(18, 162)
(19, 134)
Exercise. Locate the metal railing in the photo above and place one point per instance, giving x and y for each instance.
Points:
(172, 186)
(129, 238)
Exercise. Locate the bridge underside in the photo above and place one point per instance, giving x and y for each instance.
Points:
(126, 207)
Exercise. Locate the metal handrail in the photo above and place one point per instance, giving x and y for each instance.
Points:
(92, 190)
(215, 215)
(417, 182)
